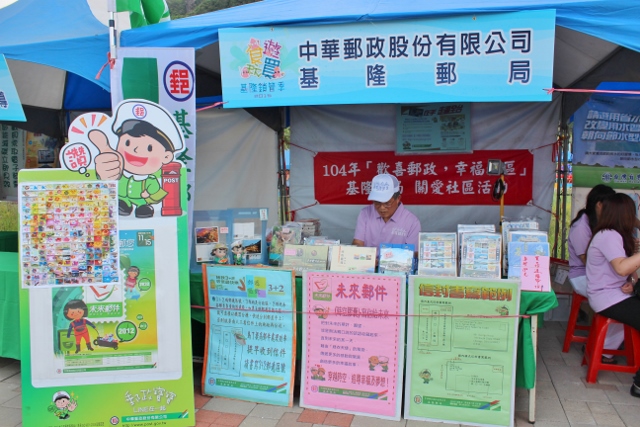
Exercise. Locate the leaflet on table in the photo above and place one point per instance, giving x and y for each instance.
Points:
(461, 344)
(480, 255)
(69, 233)
(509, 226)
(437, 246)
(251, 334)
(353, 356)
(396, 260)
(437, 267)
(352, 258)
(535, 273)
(320, 240)
(527, 236)
(304, 257)
(518, 249)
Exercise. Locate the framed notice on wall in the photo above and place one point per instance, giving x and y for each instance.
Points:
(433, 128)
(461, 350)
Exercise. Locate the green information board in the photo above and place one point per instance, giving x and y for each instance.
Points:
(461, 350)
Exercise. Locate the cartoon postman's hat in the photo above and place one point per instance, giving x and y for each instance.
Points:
(146, 118)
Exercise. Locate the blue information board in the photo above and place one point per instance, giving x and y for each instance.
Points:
(251, 334)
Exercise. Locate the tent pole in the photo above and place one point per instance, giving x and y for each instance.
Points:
(565, 179)
(111, 8)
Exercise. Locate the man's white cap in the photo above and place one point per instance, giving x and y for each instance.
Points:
(140, 110)
(383, 187)
(58, 394)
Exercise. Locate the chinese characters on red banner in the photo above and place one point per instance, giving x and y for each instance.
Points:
(458, 179)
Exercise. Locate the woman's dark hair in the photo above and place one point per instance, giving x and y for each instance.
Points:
(73, 304)
(619, 214)
(597, 194)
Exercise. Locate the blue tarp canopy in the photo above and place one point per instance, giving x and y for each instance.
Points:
(613, 20)
(65, 34)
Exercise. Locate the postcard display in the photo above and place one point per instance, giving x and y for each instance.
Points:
(353, 355)
(251, 334)
(243, 228)
(461, 350)
(97, 270)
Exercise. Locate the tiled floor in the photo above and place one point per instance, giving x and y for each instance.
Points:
(563, 398)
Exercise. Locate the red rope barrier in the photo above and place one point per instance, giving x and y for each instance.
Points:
(204, 307)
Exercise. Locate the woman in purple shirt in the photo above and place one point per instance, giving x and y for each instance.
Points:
(580, 235)
(611, 260)
(579, 238)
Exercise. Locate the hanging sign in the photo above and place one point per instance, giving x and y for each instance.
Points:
(606, 132)
(488, 57)
(461, 350)
(251, 334)
(165, 76)
(344, 178)
(353, 355)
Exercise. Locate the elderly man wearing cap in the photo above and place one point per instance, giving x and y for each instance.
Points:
(147, 138)
(387, 220)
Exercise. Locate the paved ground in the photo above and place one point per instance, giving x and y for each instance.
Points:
(564, 399)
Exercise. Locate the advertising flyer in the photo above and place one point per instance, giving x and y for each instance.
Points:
(461, 350)
(251, 334)
(101, 261)
(353, 355)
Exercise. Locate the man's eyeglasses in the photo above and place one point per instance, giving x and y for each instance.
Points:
(385, 205)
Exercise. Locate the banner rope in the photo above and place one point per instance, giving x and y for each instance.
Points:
(302, 148)
(214, 105)
(623, 92)
(480, 316)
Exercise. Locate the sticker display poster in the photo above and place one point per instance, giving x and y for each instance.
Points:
(354, 343)
(104, 251)
(461, 350)
(69, 233)
(433, 128)
(117, 324)
(251, 334)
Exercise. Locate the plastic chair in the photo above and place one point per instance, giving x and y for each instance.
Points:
(570, 336)
(594, 348)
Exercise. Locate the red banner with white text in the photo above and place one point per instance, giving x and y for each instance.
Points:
(344, 178)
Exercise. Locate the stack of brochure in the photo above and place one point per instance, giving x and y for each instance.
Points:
(437, 254)
(480, 255)
(509, 226)
(352, 259)
(301, 258)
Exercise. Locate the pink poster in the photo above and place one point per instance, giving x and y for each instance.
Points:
(354, 343)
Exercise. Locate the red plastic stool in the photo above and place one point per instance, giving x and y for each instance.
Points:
(569, 337)
(595, 343)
